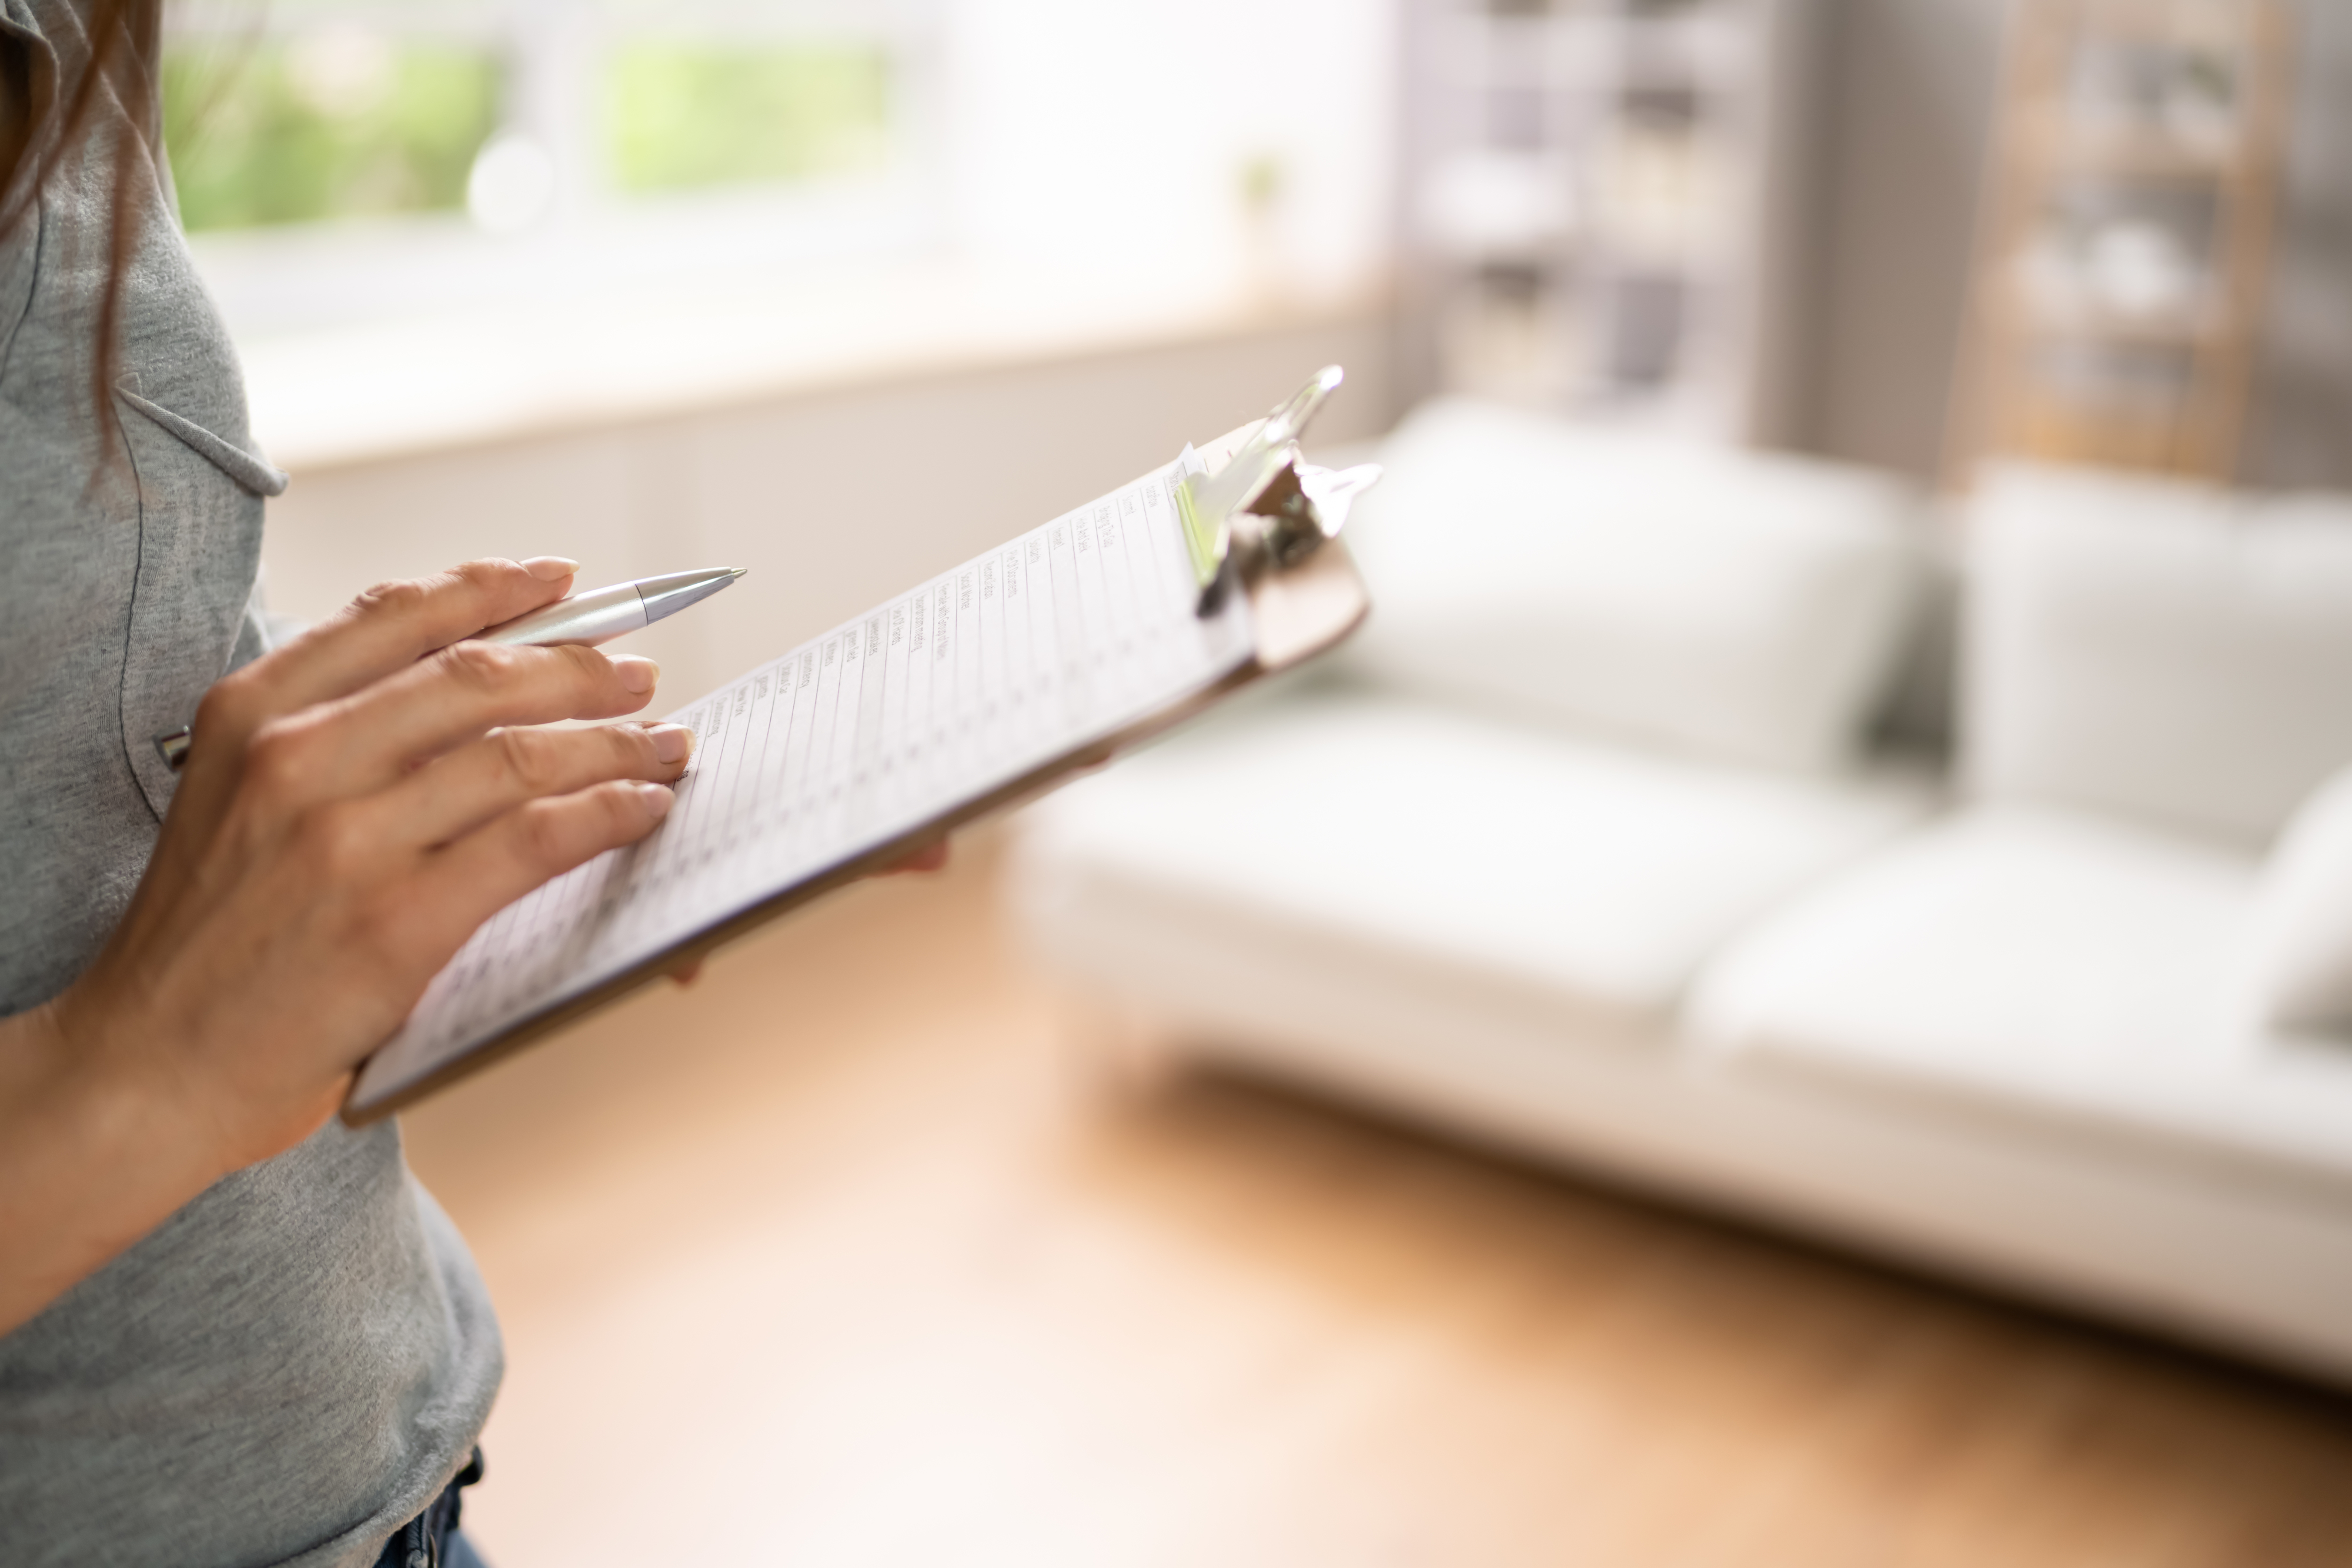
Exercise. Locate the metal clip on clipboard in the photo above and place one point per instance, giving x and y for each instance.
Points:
(1266, 507)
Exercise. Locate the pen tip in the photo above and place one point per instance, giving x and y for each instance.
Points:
(734, 571)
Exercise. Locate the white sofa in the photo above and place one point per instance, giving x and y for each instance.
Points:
(1587, 849)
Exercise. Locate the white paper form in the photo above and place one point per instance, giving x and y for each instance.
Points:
(1050, 643)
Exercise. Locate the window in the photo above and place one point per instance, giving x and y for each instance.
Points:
(333, 127)
(335, 121)
(681, 116)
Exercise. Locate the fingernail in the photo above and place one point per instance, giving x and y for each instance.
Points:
(671, 741)
(635, 675)
(657, 800)
(550, 568)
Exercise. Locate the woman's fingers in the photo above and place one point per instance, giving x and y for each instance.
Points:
(395, 624)
(385, 630)
(498, 863)
(469, 689)
(435, 805)
(436, 706)
(930, 857)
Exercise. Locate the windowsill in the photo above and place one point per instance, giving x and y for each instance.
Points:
(335, 395)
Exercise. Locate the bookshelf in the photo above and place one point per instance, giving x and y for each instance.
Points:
(1604, 207)
(2124, 236)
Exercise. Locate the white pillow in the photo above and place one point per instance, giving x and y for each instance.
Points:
(2156, 648)
(2302, 944)
(1729, 604)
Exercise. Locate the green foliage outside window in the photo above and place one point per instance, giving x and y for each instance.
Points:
(335, 125)
(344, 123)
(679, 116)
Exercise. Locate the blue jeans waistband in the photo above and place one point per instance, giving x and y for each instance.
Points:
(424, 1542)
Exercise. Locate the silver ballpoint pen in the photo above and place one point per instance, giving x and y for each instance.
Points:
(598, 615)
(602, 614)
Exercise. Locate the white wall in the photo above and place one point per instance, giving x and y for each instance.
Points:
(1115, 132)
(834, 500)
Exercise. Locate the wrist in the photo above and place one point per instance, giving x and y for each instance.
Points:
(112, 1086)
(90, 1161)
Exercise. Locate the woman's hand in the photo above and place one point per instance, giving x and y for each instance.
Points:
(354, 806)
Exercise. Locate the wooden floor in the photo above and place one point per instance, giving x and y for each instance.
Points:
(846, 1254)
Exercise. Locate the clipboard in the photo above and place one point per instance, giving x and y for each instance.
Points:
(1255, 519)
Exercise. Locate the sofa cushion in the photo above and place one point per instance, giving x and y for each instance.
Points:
(2157, 648)
(1416, 836)
(1739, 606)
(2044, 971)
(2301, 948)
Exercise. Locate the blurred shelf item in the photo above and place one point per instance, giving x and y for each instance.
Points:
(2061, 146)
(1601, 207)
(2124, 242)
(2188, 330)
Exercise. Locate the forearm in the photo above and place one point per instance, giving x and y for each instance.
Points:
(93, 1155)
(354, 806)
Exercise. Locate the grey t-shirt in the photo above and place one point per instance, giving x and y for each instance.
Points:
(291, 1366)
